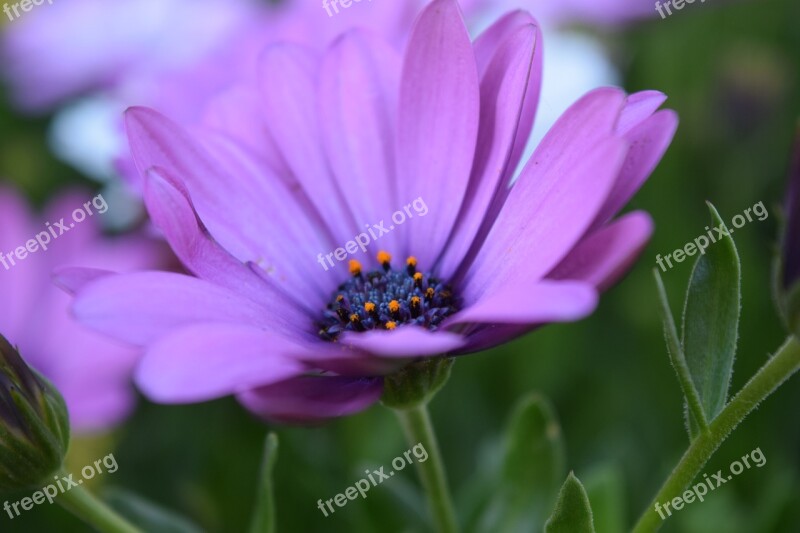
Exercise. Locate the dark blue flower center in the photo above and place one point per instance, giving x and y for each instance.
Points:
(386, 299)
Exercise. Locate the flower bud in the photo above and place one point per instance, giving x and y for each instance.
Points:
(34, 425)
(787, 280)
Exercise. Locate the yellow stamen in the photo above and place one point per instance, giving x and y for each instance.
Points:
(429, 292)
(414, 301)
(355, 267)
(384, 257)
(340, 298)
(390, 325)
(354, 317)
(369, 307)
(394, 306)
(411, 261)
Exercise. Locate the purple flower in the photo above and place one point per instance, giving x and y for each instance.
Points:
(91, 372)
(333, 149)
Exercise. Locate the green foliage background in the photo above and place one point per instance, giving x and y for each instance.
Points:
(732, 71)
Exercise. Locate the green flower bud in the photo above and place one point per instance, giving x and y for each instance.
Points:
(34, 425)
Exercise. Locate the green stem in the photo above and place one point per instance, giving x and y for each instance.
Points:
(777, 370)
(95, 512)
(263, 520)
(418, 429)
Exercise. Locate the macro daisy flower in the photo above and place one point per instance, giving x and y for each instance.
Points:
(302, 166)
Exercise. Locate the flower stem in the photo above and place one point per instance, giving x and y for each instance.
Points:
(418, 429)
(95, 512)
(778, 369)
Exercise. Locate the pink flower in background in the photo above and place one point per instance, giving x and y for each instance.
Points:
(92, 372)
(301, 163)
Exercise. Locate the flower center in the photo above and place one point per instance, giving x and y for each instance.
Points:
(386, 299)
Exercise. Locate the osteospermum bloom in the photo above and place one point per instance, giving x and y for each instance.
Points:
(91, 372)
(336, 147)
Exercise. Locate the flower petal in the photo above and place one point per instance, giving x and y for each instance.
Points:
(205, 361)
(505, 91)
(437, 125)
(256, 203)
(404, 342)
(312, 399)
(358, 106)
(545, 216)
(648, 140)
(539, 303)
(172, 212)
(605, 255)
(290, 106)
(138, 307)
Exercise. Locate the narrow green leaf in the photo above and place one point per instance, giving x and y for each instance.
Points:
(532, 469)
(677, 357)
(572, 514)
(263, 520)
(147, 515)
(606, 490)
(711, 320)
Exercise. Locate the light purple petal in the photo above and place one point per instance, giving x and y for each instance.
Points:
(545, 216)
(289, 84)
(638, 107)
(504, 89)
(604, 256)
(404, 342)
(173, 213)
(73, 279)
(312, 399)
(536, 303)
(648, 140)
(205, 361)
(438, 125)
(138, 307)
(260, 217)
(358, 106)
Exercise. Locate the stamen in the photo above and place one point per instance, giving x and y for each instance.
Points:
(386, 299)
(385, 258)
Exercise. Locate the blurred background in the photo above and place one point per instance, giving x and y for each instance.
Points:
(732, 72)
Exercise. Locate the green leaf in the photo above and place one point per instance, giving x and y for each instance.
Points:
(572, 514)
(147, 515)
(532, 469)
(678, 359)
(605, 488)
(263, 520)
(711, 321)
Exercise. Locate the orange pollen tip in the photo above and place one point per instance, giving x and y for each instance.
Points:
(384, 257)
(369, 307)
(411, 261)
(390, 325)
(355, 267)
(418, 276)
(340, 298)
(429, 292)
(415, 300)
(354, 318)
(394, 306)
